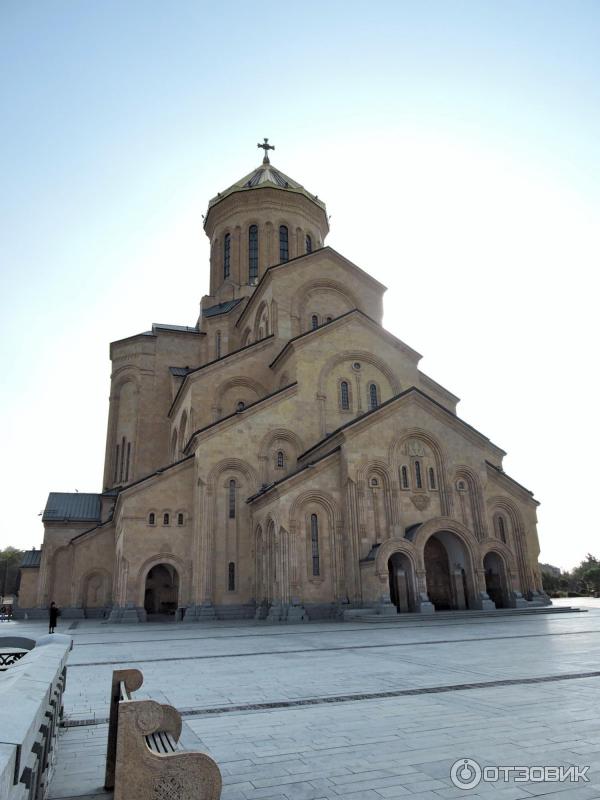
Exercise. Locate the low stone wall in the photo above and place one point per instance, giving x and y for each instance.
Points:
(30, 709)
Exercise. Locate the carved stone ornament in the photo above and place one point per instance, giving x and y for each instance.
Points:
(420, 501)
(414, 447)
(168, 787)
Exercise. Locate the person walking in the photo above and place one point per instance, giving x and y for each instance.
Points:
(54, 612)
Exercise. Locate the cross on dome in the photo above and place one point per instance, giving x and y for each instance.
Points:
(266, 147)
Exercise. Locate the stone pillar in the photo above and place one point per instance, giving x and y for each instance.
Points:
(423, 603)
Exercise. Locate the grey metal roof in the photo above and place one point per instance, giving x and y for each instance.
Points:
(157, 326)
(31, 558)
(179, 372)
(266, 175)
(72, 506)
(221, 308)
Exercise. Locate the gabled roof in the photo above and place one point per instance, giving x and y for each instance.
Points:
(72, 507)
(353, 312)
(32, 558)
(241, 412)
(210, 363)
(270, 271)
(411, 390)
(275, 484)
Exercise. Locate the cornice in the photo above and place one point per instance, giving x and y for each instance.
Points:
(281, 487)
(510, 484)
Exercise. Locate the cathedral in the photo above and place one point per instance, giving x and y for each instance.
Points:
(283, 459)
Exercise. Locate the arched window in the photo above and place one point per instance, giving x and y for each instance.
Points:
(308, 243)
(151, 518)
(117, 465)
(226, 255)
(180, 519)
(165, 518)
(253, 253)
(418, 478)
(344, 395)
(231, 577)
(329, 319)
(280, 459)
(404, 477)
(314, 543)
(314, 321)
(231, 499)
(374, 482)
(373, 399)
(501, 529)
(431, 474)
(284, 252)
(240, 406)
(218, 344)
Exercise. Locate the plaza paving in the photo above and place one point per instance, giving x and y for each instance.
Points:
(335, 710)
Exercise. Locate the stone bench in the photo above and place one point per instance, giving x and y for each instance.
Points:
(144, 760)
(32, 682)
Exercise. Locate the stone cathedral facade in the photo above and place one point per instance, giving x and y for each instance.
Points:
(284, 458)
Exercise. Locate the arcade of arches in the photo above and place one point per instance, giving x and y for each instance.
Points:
(283, 457)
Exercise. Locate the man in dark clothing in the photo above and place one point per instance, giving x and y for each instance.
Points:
(53, 616)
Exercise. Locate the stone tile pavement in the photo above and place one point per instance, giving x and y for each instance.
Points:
(242, 688)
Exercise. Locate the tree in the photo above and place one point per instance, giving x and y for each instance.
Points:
(587, 574)
(10, 560)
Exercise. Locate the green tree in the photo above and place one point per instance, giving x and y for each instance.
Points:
(10, 559)
(587, 574)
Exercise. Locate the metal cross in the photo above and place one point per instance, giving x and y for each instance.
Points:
(266, 147)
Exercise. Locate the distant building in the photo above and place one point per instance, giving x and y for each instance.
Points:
(285, 457)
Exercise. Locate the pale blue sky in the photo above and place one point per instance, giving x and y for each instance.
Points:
(457, 145)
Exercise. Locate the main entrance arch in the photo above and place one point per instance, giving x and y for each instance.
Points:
(447, 570)
(161, 593)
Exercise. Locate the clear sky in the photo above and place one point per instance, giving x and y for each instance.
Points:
(457, 145)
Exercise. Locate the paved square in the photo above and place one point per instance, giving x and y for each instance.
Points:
(334, 710)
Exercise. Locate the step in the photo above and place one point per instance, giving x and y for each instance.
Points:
(458, 616)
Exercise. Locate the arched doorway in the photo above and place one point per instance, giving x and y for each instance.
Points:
(447, 570)
(161, 595)
(495, 579)
(401, 582)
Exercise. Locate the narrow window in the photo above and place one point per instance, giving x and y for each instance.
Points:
(284, 252)
(240, 406)
(418, 479)
(314, 321)
(344, 395)
(232, 499)
(226, 255)
(253, 253)
(180, 519)
(502, 529)
(404, 472)
(218, 344)
(122, 465)
(431, 474)
(280, 459)
(231, 577)
(165, 519)
(127, 461)
(329, 319)
(314, 540)
(373, 399)
(308, 244)
(117, 465)
(151, 518)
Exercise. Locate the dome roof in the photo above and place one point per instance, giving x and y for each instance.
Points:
(265, 176)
